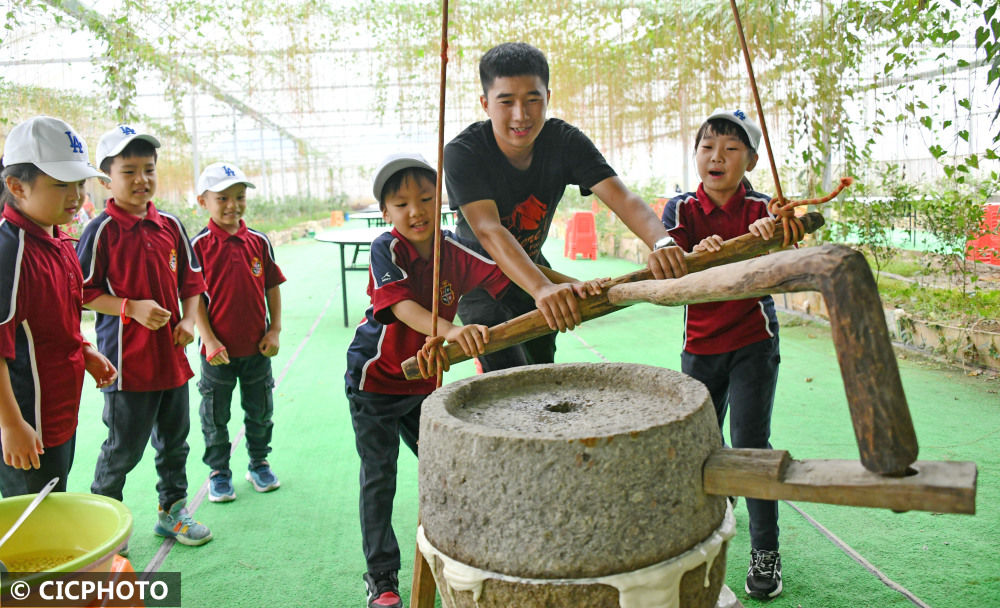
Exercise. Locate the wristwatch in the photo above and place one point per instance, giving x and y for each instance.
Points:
(667, 241)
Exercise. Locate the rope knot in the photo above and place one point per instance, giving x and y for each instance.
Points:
(785, 209)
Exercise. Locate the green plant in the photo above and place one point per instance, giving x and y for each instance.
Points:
(941, 304)
(870, 220)
(952, 212)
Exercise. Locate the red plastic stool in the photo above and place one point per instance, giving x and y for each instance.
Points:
(581, 236)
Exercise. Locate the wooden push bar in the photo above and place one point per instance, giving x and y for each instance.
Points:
(942, 487)
(881, 418)
(532, 325)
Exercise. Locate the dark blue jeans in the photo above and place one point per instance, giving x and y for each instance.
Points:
(743, 382)
(379, 423)
(256, 397)
(478, 306)
(133, 419)
(55, 462)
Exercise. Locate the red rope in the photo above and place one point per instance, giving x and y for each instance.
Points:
(779, 205)
(786, 211)
(436, 293)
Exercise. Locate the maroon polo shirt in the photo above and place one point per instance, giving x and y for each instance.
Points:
(239, 269)
(718, 327)
(396, 273)
(41, 295)
(146, 258)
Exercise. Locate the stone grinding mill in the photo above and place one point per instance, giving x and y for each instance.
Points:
(604, 484)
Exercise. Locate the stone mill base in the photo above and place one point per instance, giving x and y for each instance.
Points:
(676, 583)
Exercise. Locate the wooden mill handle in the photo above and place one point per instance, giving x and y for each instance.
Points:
(532, 324)
(941, 487)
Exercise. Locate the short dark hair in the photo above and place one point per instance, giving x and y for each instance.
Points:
(512, 59)
(25, 173)
(721, 126)
(136, 147)
(395, 181)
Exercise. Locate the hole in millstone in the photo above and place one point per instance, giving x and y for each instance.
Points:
(563, 407)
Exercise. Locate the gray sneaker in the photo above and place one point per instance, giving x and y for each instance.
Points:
(177, 523)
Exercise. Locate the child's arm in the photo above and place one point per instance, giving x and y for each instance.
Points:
(184, 331)
(215, 350)
(472, 338)
(21, 444)
(147, 313)
(582, 289)
(98, 366)
(269, 344)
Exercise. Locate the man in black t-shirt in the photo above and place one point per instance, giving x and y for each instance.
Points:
(507, 174)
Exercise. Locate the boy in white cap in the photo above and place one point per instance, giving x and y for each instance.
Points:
(239, 322)
(42, 352)
(384, 405)
(136, 262)
(732, 347)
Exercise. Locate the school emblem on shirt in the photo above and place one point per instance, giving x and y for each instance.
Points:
(255, 266)
(447, 293)
(173, 260)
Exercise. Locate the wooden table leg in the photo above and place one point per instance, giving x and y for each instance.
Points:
(424, 590)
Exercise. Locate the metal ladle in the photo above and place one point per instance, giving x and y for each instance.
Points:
(20, 520)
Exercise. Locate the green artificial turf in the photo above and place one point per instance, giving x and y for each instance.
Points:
(301, 545)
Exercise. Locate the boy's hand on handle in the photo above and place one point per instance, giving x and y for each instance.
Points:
(709, 243)
(764, 228)
(432, 356)
(21, 446)
(667, 263)
(98, 366)
(558, 306)
(268, 345)
(593, 287)
(148, 313)
(472, 338)
(184, 332)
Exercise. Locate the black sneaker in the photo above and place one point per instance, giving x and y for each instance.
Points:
(383, 590)
(764, 574)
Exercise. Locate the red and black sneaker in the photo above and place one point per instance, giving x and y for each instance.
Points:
(383, 590)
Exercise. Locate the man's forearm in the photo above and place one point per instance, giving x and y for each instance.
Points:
(513, 261)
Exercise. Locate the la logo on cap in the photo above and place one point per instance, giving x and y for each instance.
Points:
(740, 114)
(229, 172)
(127, 130)
(74, 143)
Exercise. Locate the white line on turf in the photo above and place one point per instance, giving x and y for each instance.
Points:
(888, 582)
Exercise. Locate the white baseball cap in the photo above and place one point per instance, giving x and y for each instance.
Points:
(51, 145)
(114, 141)
(393, 164)
(739, 117)
(219, 176)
